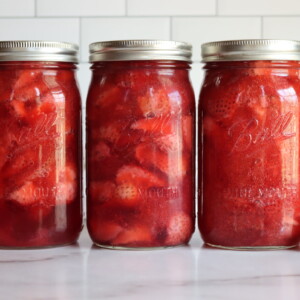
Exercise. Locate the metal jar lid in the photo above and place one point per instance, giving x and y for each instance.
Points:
(38, 51)
(140, 50)
(243, 50)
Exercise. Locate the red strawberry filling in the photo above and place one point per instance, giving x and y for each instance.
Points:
(249, 136)
(39, 157)
(140, 140)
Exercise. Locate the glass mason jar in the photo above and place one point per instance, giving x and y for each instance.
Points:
(40, 145)
(140, 145)
(249, 162)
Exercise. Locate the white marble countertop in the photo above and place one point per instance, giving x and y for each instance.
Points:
(194, 272)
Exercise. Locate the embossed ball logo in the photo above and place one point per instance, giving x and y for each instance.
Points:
(247, 133)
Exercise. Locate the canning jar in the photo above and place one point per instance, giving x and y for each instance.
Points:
(140, 144)
(40, 145)
(249, 150)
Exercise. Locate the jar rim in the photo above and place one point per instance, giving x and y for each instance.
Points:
(251, 49)
(37, 50)
(130, 50)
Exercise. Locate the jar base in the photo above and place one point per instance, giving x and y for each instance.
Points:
(38, 247)
(136, 248)
(251, 248)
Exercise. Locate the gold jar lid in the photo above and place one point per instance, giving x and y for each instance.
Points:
(243, 50)
(38, 51)
(140, 50)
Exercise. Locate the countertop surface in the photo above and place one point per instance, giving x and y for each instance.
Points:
(83, 271)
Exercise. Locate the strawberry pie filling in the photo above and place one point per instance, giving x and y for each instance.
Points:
(249, 113)
(140, 154)
(39, 155)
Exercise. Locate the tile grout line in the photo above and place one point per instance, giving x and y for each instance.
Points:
(217, 7)
(80, 39)
(126, 7)
(35, 8)
(261, 27)
(171, 28)
(147, 16)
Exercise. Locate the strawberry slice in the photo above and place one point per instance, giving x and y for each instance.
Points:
(21, 162)
(32, 109)
(127, 194)
(50, 80)
(48, 106)
(135, 79)
(138, 176)
(221, 108)
(25, 195)
(136, 235)
(104, 231)
(101, 191)
(172, 164)
(110, 133)
(169, 143)
(254, 93)
(154, 103)
(110, 103)
(223, 96)
(214, 135)
(158, 125)
(109, 96)
(26, 78)
(19, 108)
(30, 93)
(67, 186)
(33, 83)
(27, 85)
(180, 229)
(100, 151)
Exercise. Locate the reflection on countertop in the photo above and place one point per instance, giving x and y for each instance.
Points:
(83, 271)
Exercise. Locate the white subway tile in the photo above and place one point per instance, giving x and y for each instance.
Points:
(197, 75)
(40, 29)
(80, 8)
(101, 29)
(259, 7)
(198, 30)
(84, 79)
(16, 8)
(281, 28)
(174, 7)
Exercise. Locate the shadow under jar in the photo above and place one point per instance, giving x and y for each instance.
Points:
(249, 161)
(140, 145)
(40, 145)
